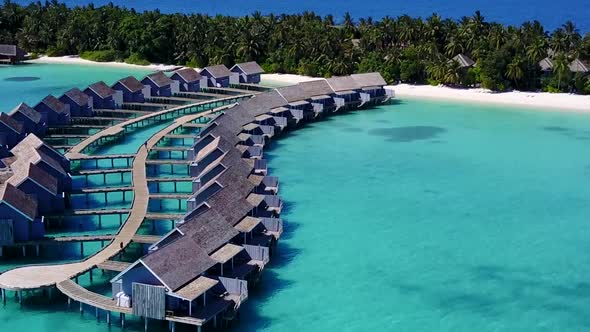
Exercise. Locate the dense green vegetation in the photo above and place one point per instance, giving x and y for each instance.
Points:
(403, 49)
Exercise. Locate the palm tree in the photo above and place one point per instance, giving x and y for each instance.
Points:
(560, 67)
(514, 70)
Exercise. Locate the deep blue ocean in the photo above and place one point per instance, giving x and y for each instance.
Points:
(550, 13)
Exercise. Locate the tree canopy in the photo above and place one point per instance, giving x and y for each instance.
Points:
(405, 49)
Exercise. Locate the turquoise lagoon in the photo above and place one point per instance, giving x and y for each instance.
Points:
(32, 82)
(417, 216)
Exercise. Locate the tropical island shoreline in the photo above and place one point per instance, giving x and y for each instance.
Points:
(536, 100)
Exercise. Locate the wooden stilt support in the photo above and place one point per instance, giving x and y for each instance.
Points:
(108, 318)
(69, 302)
(81, 309)
(122, 320)
(3, 296)
(145, 324)
(97, 316)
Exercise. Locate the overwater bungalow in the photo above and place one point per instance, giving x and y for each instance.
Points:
(266, 205)
(296, 99)
(44, 157)
(248, 72)
(217, 76)
(346, 92)
(160, 85)
(131, 88)
(35, 143)
(103, 97)
(80, 103)
(293, 116)
(260, 231)
(372, 88)
(258, 129)
(53, 111)
(268, 186)
(11, 130)
(319, 94)
(189, 80)
(278, 122)
(251, 152)
(192, 290)
(251, 140)
(33, 180)
(31, 120)
(11, 54)
(20, 221)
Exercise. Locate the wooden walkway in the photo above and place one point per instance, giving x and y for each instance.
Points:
(81, 294)
(39, 276)
(115, 266)
(77, 152)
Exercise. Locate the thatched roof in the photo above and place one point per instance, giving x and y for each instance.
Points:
(263, 103)
(102, 89)
(546, 64)
(463, 60)
(316, 88)
(25, 153)
(196, 288)
(159, 78)
(292, 93)
(218, 71)
(11, 123)
(20, 201)
(369, 79)
(131, 83)
(227, 252)
(178, 262)
(342, 83)
(578, 66)
(247, 224)
(27, 111)
(189, 75)
(78, 97)
(249, 68)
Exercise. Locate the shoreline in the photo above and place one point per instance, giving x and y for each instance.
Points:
(76, 60)
(529, 100)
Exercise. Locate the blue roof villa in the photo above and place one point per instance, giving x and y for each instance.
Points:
(80, 103)
(248, 72)
(11, 130)
(54, 111)
(217, 76)
(33, 180)
(132, 89)
(189, 80)
(160, 84)
(31, 120)
(103, 97)
(19, 220)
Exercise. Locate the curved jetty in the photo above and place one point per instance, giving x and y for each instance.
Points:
(200, 272)
(33, 277)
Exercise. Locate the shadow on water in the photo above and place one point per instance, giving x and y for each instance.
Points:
(408, 134)
(22, 79)
(499, 290)
(572, 133)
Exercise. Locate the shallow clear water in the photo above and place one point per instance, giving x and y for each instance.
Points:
(551, 13)
(420, 216)
(32, 82)
(431, 216)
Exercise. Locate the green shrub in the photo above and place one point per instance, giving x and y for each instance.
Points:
(54, 51)
(136, 59)
(99, 56)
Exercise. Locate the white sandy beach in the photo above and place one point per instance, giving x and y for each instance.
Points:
(76, 60)
(537, 100)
